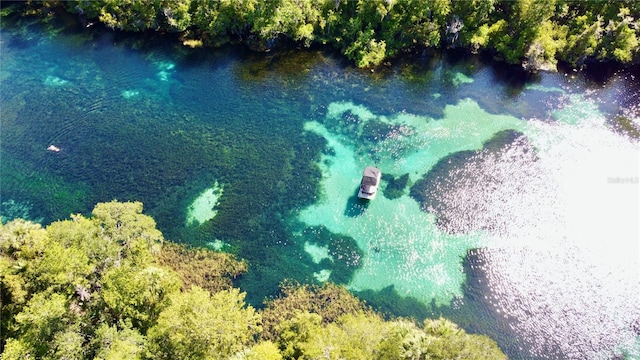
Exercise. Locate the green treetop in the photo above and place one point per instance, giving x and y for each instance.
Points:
(534, 33)
(108, 287)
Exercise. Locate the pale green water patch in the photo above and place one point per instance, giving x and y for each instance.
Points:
(538, 87)
(401, 244)
(460, 78)
(165, 70)
(128, 94)
(418, 142)
(578, 110)
(203, 207)
(218, 245)
(322, 275)
(55, 81)
(318, 253)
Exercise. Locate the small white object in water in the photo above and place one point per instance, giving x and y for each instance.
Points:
(53, 148)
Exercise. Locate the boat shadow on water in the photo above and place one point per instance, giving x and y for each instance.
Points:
(356, 206)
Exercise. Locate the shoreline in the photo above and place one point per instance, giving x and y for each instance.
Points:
(378, 43)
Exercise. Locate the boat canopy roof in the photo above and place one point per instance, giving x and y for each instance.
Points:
(370, 176)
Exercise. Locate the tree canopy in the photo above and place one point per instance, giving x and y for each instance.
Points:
(534, 33)
(106, 287)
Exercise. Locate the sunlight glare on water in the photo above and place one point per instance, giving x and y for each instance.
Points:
(567, 275)
(558, 228)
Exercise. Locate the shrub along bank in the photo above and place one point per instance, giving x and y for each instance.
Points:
(110, 287)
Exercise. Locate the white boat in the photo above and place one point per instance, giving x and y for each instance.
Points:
(369, 183)
(53, 148)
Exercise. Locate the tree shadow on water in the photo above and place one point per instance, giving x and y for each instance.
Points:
(391, 304)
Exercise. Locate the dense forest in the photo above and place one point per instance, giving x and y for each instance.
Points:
(109, 287)
(538, 34)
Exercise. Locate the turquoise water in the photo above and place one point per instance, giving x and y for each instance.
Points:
(509, 203)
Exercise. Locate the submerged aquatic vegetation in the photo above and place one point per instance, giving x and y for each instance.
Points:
(395, 186)
(343, 256)
(12, 209)
(450, 190)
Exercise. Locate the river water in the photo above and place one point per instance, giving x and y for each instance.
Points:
(509, 202)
